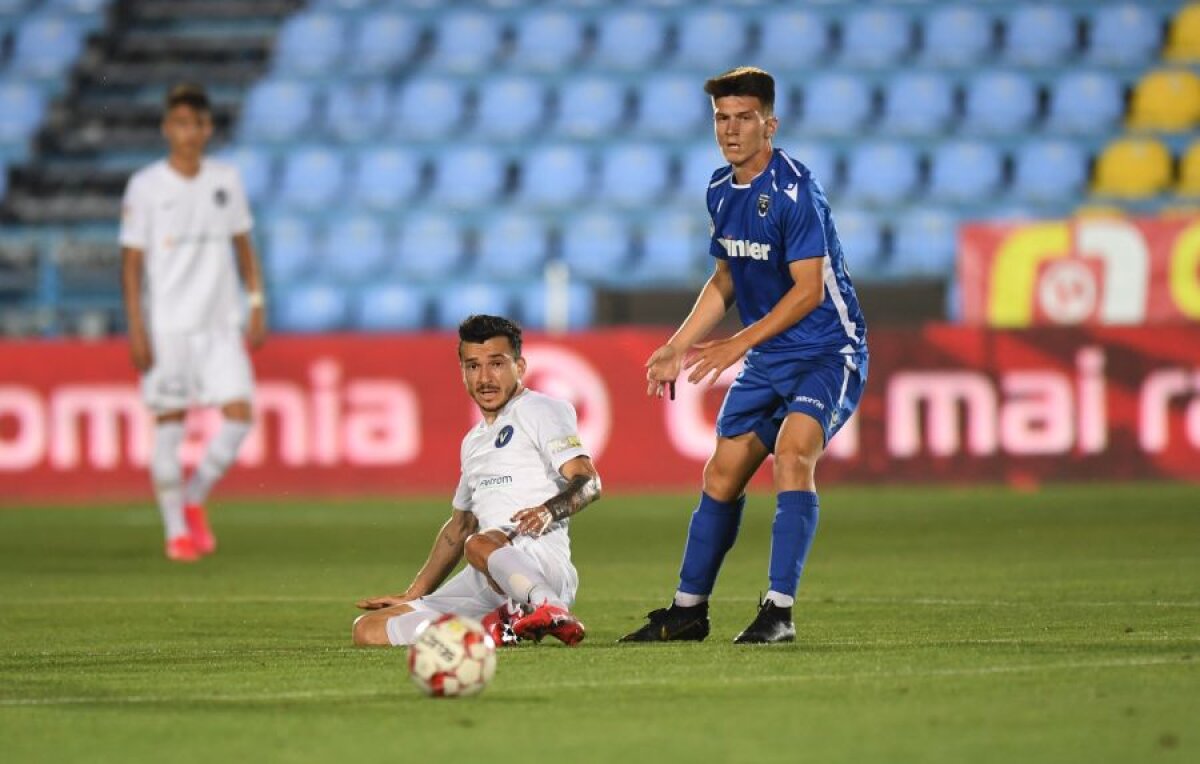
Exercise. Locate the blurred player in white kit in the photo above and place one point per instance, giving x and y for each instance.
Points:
(524, 473)
(185, 240)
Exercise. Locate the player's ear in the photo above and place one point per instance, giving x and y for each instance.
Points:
(521, 366)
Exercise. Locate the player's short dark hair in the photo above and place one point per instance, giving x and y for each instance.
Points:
(188, 94)
(481, 328)
(744, 81)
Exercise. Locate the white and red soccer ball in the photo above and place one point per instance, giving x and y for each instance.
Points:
(451, 656)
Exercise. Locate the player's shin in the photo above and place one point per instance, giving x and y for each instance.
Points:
(518, 575)
(792, 534)
(166, 472)
(711, 534)
(221, 452)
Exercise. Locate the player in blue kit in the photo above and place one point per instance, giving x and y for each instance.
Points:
(804, 342)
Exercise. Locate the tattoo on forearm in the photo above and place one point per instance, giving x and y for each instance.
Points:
(581, 490)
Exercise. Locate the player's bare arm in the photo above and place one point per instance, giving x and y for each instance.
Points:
(712, 303)
(583, 488)
(140, 350)
(251, 273)
(807, 292)
(445, 555)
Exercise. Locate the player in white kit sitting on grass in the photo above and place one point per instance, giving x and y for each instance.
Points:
(179, 218)
(524, 474)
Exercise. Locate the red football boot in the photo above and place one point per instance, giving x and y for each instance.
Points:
(197, 522)
(553, 620)
(182, 549)
(499, 624)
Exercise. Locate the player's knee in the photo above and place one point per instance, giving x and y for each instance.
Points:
(721, 484)
(477, 548)
(795, 465)
(370, 629)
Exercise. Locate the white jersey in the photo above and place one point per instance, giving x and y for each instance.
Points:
(512, 463)
(184, 228)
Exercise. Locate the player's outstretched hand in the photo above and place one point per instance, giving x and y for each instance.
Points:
(378, 603)
(532, 521)
(140, 351)
(713, 357)
(661, 370)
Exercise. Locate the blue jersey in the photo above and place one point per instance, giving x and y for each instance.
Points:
(760, 229)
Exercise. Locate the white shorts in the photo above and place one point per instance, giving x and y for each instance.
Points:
(208, 368)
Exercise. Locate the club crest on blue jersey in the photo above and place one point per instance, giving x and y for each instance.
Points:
(504, 436)
(764, 204)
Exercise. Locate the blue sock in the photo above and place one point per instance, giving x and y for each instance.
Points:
(791, 537)
(712, 532)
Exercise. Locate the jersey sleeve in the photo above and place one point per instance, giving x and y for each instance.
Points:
(241, 221)
(803, 229)
(462, 495)
(555, 429)
(135, 216)
(714, 245)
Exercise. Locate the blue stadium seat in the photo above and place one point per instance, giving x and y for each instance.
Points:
(1039, 35)
(309, 45)
(835, 104)
(383, 42)
(580, 307)
(467, 42)
(22, 105)
(596, 245)
(513, 245)
(554, 177)
(629, 40)
(430, 246)
(351, 6)
(312, 178)
(310, 308)
(674, 249)
(289, 249)
(821, 161)
(708, 40)
(356, 111)
(672, 106)
(1000, 102)
(257, 168)
(633, 175)
(276, 110)
(590, 107)
(44, 47)
(355, 249)
(547, 41)
(791, 39)
(1086, 102)
(700, 159)
(1124, 34)
(957, 36)
(390, 308)
(918, 103)
(875, 37)
(1050, 171)
(861, 236)
(924, 244)
(385, 178)
(964, 172)
(468, 176)
(509, 107)
(428, 107)
(457, 301)
(881, 173)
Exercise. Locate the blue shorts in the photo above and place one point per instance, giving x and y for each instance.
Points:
(771, 386)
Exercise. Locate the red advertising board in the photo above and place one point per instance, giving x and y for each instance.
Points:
(1090, 271)
(344, 415)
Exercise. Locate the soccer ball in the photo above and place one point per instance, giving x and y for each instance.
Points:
(451, 656)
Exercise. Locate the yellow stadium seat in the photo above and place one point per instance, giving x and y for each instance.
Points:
(1183, 42)
(1189, 171)
(1093, 210)
(1166, 100)
(1133, 168)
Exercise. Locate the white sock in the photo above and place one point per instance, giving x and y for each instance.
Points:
(221, 452)
(683, 599)
(781, 600)
(402, 629)
(166, 473)
(517, 574)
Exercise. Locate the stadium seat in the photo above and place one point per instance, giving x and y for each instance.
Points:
(383, 42)
(44, 47)
(672, 106)
(547, 41)
(1166, 100)
(385, 178)
(390, 308)
(22, 105)
(257, 168)
(699, 160)
(468, 177)
(430, 246)
(533, 301)
(1183, 40)
(1123, 34)
(708, 39)
(276, 110)
(459, 300)
(1039, 35)
(821, 161)
(596, 245)
(509, 107)
(1086, 103)
(674, 249)
(924, 244)
(309, 45)
(957, 36)
(875, 37)
(791, 39)
(1049, 171)
(310, 308)
(312, 178)
(554, 177)
(835, 104)
(428, 107)
(965, 172)
(1132, 168)
(999, 102)
(919, 103)
(1189, 172)
(513, 246)
(630, 40)
(861, 236)
(590, 107)
(633, 175)
(356, 111)
(881, 174)
(466, 42)
(289, 249)
(355, 249)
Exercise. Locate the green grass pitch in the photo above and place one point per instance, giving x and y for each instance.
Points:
(935, 625)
